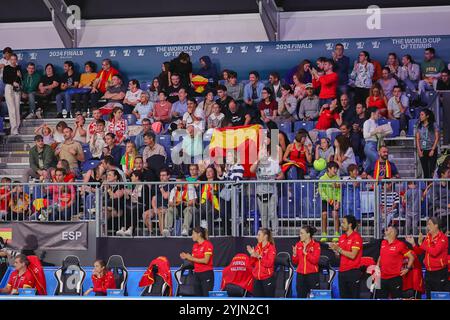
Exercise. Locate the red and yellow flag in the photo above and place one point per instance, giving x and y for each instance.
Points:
(6, 233)
(244, 140)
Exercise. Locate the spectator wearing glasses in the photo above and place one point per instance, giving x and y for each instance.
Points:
(102, 82)
(361, 75)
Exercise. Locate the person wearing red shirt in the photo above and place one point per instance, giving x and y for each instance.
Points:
(349, 248)
(102, 279)
(20, 278)
(268, 106)
(392, 253)
(328, 115)
(202, 257)
(435, 247)
(306, 254)
(263, 263)
(103, 80)
(413, 286)
(328, 82)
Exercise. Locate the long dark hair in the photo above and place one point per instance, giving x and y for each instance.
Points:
(301, 70)
(152, 87)
(270, 92)
(431, 119)
(344, 143)
(311, 230)
(203, 176)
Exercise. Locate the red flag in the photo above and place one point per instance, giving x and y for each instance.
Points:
(38, 273)
(238, 272)
(163, 270)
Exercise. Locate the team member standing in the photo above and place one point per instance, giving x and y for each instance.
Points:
(102, 279)
(435, 247)
(392, 253)
(306, 254)
(202, 257)
(21, 277)
(263, 263)
(349, 248)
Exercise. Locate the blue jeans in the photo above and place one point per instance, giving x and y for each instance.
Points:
(31, 100)
(371, 152)
(63, 96)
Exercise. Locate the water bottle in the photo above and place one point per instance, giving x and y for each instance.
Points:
(64, 113)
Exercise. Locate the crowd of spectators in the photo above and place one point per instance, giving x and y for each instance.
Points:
(342, 105)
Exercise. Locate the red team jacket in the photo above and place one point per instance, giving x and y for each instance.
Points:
(238, 272)
(436, 251)
(103, 283)
(308, 263)
(163, 270)
(263, 268)
(413, 280)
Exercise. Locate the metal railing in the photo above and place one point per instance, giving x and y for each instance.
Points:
(226, 208)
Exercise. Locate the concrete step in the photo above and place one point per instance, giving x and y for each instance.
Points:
(13, 172)
(14, 160)
(14, 147)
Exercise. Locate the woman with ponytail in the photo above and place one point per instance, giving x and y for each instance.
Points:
(263, 263)
(306, 254)
(202, 257)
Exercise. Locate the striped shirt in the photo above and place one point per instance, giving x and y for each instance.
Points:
(235, 173)
(389, 199)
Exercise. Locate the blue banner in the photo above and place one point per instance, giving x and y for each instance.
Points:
(144, 62)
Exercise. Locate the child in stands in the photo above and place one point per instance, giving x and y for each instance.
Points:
(330, 193)
(19, 204)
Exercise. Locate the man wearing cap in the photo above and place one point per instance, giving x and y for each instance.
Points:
(42, 159)
(309, 107)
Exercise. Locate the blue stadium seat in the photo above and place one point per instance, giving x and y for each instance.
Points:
(291, 136)
(333, 136)
(145, 85)
(222, 82)
(286, 127)
(307, 125)
(131, 119)
(88, 165)
(322, 134)
(395, 124)
(411, 124)
(87, 152)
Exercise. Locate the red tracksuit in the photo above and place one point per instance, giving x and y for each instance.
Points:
(263, 268)
(308, 263)
(436, 251)
(103, 283)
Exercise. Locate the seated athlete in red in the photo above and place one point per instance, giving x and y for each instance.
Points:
(20, 278)
(102, 279)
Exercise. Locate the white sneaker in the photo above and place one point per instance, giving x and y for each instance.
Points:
(166, 233)
(31, 116)
(403, 133)
(120, 232)
(204, 224)
(64, 113)
(184, 232)
(39, 113)
(128, 232)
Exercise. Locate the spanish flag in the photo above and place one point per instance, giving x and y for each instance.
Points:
(245, 140)
(6, 233)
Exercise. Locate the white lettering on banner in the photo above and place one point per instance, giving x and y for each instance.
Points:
(33, 55)
(329, 46)
(126, 53)
(293, 46)
(258, 49)
(244, 49)
(98, 53)
(373, 22)
(64, 54)
(346, 45)
(416, 43)
(214, 50)
(174, 51)
(360, 45)
(141, 52)
(19, 56)
(229, 49)
(71, 235)
(376, 44)
(112, 53)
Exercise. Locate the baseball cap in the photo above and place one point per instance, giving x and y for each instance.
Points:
(308, 85)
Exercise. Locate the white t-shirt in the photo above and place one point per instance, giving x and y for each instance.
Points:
(215, 121)
(200, 125)
(143, 110)
(133, 96)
